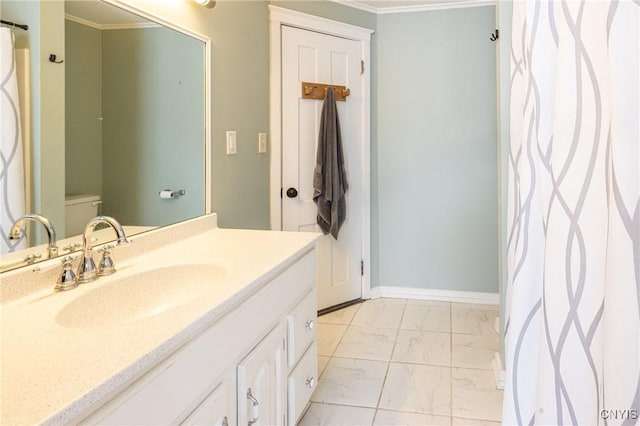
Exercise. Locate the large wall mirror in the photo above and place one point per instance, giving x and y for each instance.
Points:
(136, 119)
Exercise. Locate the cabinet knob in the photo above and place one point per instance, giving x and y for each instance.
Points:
(311, 382)
(310, 325)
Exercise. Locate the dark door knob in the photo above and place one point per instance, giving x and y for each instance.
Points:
(292, 193)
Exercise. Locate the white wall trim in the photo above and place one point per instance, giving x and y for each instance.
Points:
(278, 17)
(130, 26)
(442, 5)
(435, 294)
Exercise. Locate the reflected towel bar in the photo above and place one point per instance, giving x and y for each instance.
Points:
(13, 24)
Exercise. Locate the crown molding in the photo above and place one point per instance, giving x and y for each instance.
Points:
(130, 26)
(357, 5)
(416, 8)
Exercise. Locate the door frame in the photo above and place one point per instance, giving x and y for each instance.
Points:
(278, 17)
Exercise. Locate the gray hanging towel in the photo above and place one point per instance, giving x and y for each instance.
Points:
(329, 177)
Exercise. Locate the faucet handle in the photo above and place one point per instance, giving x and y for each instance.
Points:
(106, 265)
(31, 258)
(72, 247)
(67, 280)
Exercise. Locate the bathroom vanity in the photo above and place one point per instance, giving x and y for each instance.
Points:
(199, 325)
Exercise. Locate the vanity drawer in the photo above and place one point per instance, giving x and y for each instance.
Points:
(302, 382)
(301, 327)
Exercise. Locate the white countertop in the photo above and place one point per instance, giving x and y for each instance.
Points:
(56, 374)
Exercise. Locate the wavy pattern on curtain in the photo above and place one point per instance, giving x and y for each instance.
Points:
(572, 330)
(12, 191)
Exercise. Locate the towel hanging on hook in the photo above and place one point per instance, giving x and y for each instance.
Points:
(329, 176)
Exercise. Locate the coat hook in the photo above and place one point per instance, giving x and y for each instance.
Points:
(52, 58)
(307, 89)
(495, 35)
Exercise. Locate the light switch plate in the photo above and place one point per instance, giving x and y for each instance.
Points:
(232, 145)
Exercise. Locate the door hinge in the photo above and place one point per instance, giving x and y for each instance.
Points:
(280, 192)
(362, 67)
(362, 268)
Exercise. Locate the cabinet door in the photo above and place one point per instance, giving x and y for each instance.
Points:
(218, 408)
(260, 382)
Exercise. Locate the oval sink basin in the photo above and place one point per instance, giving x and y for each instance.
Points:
(140, 295)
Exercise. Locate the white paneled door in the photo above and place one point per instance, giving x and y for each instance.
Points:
(319, 58)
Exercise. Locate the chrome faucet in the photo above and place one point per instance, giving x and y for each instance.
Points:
(18, 230)
(87, 271)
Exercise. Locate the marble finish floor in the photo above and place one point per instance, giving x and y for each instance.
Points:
(406, 362)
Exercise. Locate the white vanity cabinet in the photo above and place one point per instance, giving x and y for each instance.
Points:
(254, 365)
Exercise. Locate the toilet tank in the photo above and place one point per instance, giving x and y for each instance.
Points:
(78, 211)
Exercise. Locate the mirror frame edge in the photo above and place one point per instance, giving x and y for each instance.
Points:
(207, 84)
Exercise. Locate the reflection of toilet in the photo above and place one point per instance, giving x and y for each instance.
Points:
(78, 211)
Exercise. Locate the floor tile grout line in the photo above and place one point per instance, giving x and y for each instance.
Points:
(462, 417)
(408, 362)
(386, 373)
(451, 366)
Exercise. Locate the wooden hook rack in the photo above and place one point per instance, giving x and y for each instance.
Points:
(318, 90)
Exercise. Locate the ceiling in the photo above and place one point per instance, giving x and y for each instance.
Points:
(403, 6)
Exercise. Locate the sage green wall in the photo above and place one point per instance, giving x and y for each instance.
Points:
(45, 36)
(437, 167)
(153, 126)
(83, 109)
(240, 183)
(239, 31)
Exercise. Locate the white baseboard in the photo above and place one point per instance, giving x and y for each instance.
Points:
(434, 294)
(498, 371)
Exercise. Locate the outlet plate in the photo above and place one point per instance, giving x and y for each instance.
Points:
(262, 143)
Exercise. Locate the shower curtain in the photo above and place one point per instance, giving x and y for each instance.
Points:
(572, 329)
(12, 191)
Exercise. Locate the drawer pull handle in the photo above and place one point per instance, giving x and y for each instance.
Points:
(255, 410)
(311, 382)
(310, 325)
